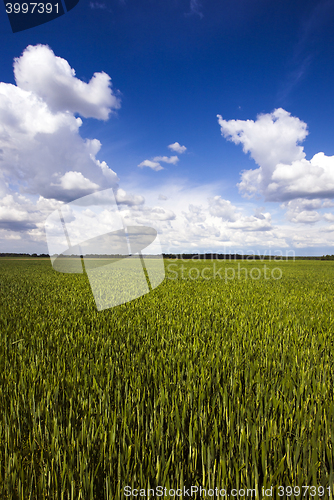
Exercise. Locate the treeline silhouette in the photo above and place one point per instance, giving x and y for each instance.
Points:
(186, 256)
(11, 254)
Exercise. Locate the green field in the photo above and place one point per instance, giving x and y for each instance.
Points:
(210, 381)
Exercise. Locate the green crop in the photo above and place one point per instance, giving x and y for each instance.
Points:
(203, 381)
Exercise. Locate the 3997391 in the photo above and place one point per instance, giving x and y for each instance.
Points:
(31, 8)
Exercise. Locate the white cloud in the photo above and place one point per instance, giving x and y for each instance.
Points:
(284, 173)
(258, 213)
(166, 159)
(329, 217)
(177, 148)
(18, 213)
(154, 165)
(161, 214)
(195, 214)
(327, 204)
(210, 224)
(235, 219)
(313, 178)
(306, 217)
(223, 209)
(122, 197)
(51, 78)
(40, 146)
(75, 180)
(306, 211)
(44, 160)
(5, 235)
(273, 138)
(253, 223)
(196, 219)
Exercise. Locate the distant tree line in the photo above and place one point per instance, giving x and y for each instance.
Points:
(11, 254)
(186, 256)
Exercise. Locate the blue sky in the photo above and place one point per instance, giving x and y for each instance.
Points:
(258, 178)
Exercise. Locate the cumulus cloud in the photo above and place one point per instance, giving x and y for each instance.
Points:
(273, 138)
(235, 219)
(124, 198)
(196, 219)
(273, 141)
(51, 78)
(306, 217)
(161, 214)
(19, 214)
(177, 148)
(223, 209)
(195, 214)
(147, 216)
(75, 180)
(211, 223)
(309, 178)
(253, 223)
(306, 211)
(329, 217)
(258, 213)
(42, 152)
(166, 159)
(44, 160)
(154, 165)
